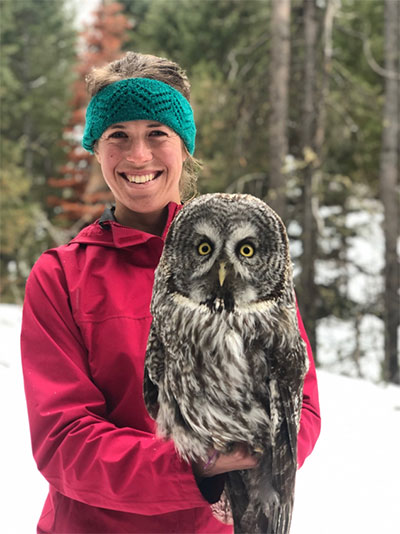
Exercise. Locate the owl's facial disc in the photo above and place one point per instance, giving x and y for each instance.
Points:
(222, 263)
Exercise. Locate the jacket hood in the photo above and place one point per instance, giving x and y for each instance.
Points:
(107, 232)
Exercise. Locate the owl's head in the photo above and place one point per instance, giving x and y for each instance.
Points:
(227, 251)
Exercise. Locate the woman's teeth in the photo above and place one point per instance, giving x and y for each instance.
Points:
(140, 179)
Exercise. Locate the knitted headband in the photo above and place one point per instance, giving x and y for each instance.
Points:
(139, 99)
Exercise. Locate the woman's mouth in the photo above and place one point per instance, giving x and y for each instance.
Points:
(140, 178)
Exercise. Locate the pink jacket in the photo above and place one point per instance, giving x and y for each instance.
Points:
(85, 325)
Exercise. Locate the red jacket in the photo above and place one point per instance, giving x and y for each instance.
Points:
(85, 326)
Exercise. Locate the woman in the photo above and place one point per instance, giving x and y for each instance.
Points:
(86, 321)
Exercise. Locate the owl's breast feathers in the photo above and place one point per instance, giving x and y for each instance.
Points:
(215, 372)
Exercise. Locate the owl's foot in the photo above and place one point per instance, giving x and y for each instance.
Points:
(222, 511)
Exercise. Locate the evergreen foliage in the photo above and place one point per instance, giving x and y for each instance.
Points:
(80, 193)
(224, 45)
(38, 49)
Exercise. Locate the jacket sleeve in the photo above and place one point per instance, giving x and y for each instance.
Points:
(82, 454)
(310, 421)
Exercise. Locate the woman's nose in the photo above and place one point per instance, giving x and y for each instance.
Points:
(139, 151)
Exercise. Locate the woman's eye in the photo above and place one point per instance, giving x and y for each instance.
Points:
(204, 248)
(117, 135)
(246, 250)
(158, 133)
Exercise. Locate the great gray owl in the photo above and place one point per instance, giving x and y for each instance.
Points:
(225, 362)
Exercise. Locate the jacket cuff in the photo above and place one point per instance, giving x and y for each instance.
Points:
(211, 488)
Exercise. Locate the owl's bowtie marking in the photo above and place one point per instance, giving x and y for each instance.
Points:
(222, 301)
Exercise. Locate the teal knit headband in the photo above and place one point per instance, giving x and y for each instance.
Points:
(139, 99)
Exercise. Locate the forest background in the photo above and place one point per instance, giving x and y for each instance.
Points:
(296, 101)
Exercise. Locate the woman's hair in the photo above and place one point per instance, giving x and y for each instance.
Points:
(136, 65)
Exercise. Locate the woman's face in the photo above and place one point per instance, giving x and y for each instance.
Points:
(142, 164)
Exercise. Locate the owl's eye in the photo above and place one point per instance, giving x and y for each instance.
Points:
(204, 248)
(246, 250)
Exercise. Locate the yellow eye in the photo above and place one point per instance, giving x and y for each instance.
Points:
(246, 250)
(204, 248)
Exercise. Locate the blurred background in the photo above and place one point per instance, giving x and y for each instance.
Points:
(296, 101)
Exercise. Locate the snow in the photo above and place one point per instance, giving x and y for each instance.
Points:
(337, 343)
(350, 484)
(359, 279)
(22, 488)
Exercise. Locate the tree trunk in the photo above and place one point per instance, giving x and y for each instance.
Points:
(389, 174)
(278, 97)
(331, 8)
(27, 124)
(307, 277)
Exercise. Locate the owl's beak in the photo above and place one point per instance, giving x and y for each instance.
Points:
(222, 273)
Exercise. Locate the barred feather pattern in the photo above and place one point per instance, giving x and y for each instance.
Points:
(225, 362)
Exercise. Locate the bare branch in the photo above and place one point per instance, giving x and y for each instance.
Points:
(374, 65)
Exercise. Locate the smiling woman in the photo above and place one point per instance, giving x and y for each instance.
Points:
(140, 126)
(140, 76)
(87, 318)
(142, 164)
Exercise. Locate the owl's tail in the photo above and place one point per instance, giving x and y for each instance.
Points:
(277, 522)
(250, 516)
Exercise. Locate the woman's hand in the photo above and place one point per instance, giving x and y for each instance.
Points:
(219, 463)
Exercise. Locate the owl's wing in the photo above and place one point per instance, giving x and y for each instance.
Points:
(270, 486)
(284, 457)
(284, 463)
(153, 371)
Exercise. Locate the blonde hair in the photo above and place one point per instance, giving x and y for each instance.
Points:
(136, 65)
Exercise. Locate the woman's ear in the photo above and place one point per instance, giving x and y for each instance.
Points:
(96, 153)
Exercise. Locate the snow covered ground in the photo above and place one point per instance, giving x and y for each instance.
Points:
(22, 488)
(349, 485)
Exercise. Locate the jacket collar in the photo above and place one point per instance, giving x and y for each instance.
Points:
(107, 232)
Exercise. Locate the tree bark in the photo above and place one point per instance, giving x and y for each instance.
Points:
(389, 176)
(330, 11)
(278, 96)
(309, 241)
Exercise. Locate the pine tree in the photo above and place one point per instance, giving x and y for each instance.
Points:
(83, 191)
(225, 46)
(37, 51)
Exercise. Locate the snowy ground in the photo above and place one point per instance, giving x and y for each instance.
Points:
(22, 488)
(349, 485)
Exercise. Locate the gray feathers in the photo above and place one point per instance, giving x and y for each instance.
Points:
(225, 362)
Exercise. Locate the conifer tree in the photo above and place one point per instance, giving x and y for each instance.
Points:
(37, 51)
(83, 191)
(333, 136)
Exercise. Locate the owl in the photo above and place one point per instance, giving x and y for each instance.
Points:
(225, 362)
